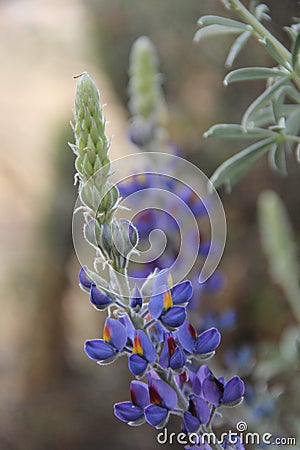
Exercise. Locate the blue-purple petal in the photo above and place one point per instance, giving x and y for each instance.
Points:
(98, 349)
(137, 365)
(155, 415)
(174, 317)
(212, 390)
(149, 352)
(190, 422)
(167, 395)
(187, 336)
(182, 292)
(139, 393)
(128, 412)
(208, 341)
(202, 373)
(98, 298)
(136, 299)
(130, 330)
(178, 359)
(233, 390)
(164, 359)
(84, 280)
(156, 305)
(118, 335)
(202, 409)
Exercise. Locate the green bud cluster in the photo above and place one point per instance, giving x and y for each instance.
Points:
(100, 198)
(91, 146)
(116, 241)
(144, 84)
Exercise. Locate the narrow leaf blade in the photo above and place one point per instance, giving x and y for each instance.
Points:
(214, 30)
(236, 47)
(235, 131)
(236, 166)
(223, 21)
(261, 100)
(252, 73)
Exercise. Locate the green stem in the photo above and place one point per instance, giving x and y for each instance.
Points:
(259, 29)
(123, 284)
(288, 137)
(212, 415)
(261, 32)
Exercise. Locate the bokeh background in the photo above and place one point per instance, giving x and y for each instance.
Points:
(51, 396)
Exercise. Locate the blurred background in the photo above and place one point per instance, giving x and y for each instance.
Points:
(51, 396)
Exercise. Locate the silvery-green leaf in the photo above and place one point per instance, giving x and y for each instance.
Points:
(278, 243)
(223, 21)
(234, 131)
(288, 343)
(293, 31)
(296, 53)
(265, 115)
(293, 122)
(236, 47)
(277, 103)
(261, 12)
(279, 126)
(277, 159)
(298, 152)
(252, 73)
(214, 30)
(272, 50)
(292, 93)
(236, 166)
(261, 100)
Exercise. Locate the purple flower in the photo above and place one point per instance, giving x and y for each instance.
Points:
(113, 342)
(202, 344)
(198, 413)
(136, 300)
(84, 280)
(172, 355)
(100, 300)
(133, 412)
(164, 304)
(163, 399)
(217, 392)
(143, 352)
(130, 330)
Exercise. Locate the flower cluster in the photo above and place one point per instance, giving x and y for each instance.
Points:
(149, 325)
(159, 342)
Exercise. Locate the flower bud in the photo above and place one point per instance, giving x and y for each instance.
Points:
(92, 144)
